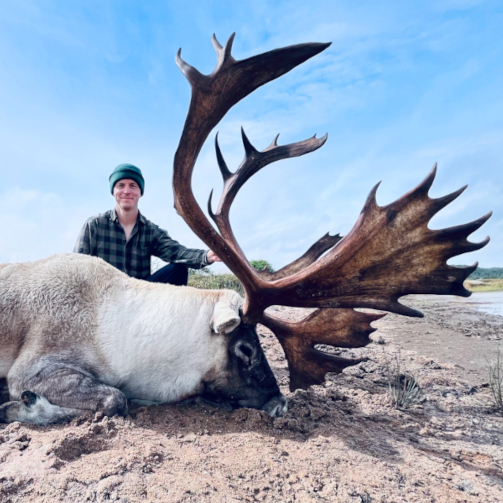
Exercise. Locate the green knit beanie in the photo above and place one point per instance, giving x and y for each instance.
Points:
(126, 171)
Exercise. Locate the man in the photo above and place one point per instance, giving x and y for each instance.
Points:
(124, 238)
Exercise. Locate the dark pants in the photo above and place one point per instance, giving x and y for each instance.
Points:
(174, 274)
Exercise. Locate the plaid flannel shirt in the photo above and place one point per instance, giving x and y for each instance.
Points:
(103, 236)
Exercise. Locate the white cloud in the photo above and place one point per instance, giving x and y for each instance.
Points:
(27, 219)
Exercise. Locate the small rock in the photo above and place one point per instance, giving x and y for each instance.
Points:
(355, 372)
(466, 486)
(190, 437)
(98, 417)
(317, 413)
(432, 365)
(106, 486)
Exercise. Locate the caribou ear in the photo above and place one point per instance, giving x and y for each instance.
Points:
(225, 316)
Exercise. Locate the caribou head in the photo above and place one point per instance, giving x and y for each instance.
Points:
(390, 251)
(246, 379)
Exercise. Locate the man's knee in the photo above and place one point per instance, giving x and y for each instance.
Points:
(174, 274)
(180, 275)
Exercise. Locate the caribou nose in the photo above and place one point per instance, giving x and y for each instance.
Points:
(277, 406)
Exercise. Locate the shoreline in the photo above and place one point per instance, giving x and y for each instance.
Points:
(450, 332)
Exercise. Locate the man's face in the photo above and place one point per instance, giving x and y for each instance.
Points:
(127, 193)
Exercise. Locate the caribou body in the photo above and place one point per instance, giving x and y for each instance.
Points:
(77, 334)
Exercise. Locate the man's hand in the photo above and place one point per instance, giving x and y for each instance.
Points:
(211, 256)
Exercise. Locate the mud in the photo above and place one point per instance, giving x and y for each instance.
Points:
(343, 441)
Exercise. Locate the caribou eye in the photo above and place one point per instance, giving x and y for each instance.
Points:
(245, 351)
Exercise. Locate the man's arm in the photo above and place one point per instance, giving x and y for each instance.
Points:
(172, 251)
(83, 244)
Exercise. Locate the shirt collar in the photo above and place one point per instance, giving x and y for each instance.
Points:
(143, 220)
(115, 218)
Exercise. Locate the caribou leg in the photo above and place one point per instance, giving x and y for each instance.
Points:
(56, 392)
(35, 409)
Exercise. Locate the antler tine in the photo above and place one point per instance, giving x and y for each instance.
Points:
(463, 231)
(192, 74)
(216, 44)
(229, 44)
(343, 328)
(223, 53)
(210, 210)
(274, 143)
(250, 150)
(442, 202)
(425, 185)
(226, 174)
(371, 201)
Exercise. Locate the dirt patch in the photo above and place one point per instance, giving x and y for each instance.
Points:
(449, 332)
(340, 442)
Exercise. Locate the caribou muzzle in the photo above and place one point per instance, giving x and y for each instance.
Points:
(275, 407)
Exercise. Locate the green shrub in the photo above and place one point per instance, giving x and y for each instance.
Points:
(209, 281)
(487, 273)
(206, 279)
(260, 265)
(205, 271)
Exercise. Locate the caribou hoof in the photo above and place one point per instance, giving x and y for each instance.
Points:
(29, 398)
(114, 404)
(277, 406)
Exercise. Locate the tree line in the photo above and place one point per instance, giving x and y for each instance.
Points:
(487, 273)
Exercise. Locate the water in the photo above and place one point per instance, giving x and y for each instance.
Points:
(488, 302)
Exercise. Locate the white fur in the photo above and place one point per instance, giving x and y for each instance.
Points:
(159, 342)
(154, 342)
(41, 412)
(44, 412)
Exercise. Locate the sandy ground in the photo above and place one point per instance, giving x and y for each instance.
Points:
(340, 442)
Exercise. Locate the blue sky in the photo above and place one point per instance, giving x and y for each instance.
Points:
(87, 85)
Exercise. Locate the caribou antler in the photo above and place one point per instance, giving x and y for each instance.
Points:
(390, 252)
(212, 97)
(253, 162)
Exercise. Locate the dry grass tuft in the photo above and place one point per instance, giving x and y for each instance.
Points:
(484, 285)
(495, 368)
(403, 387)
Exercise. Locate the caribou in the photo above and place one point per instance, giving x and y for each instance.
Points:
(78, 335)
